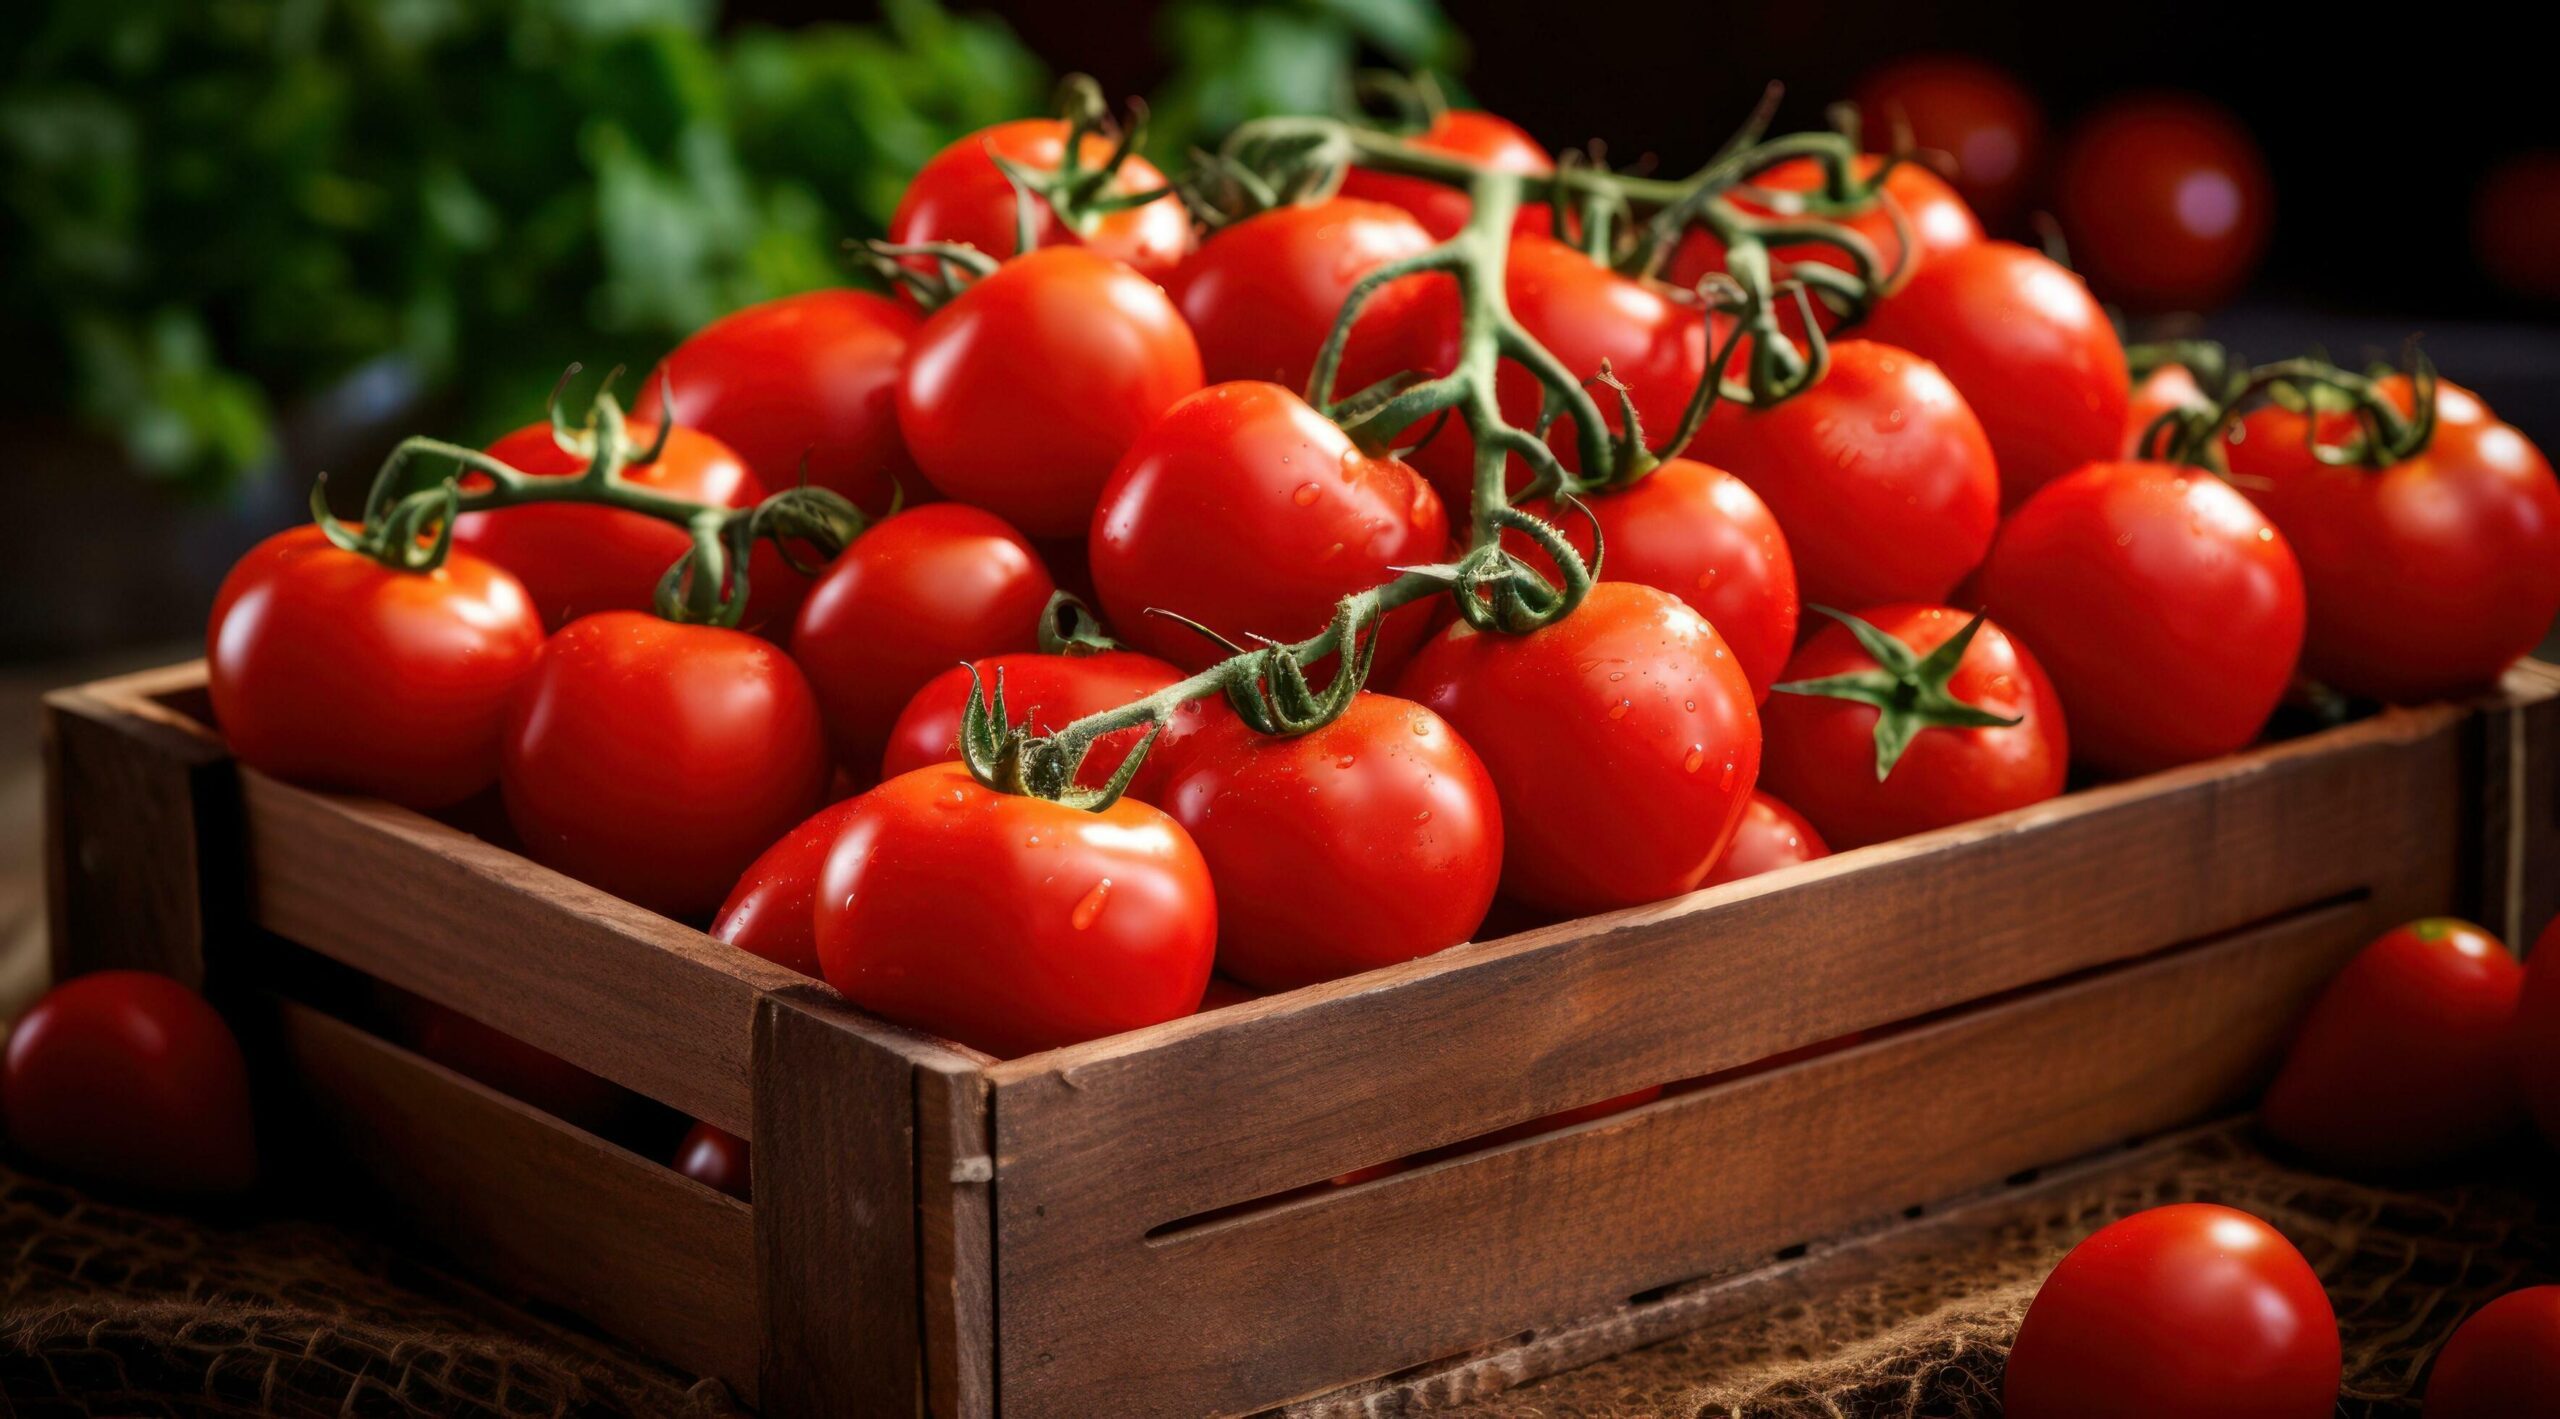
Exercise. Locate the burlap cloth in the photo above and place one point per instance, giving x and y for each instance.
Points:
(110, 1310)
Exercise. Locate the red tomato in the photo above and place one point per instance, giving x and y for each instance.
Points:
(1020, 395)
(1970, 111)
(807, 383)
(960, 195)
(1937, 218)
(1622, 740)
(772, 912)
(1823, 751)
(1372, 840)
(2166, 609)
(1263, 294)
(909, 599)
(506, 1064)
(2166, 202)
(1476, 136)
(657, 760)
(1045, 692)
(2036, 357)
(1014, 924)
(2164, 389)
(332, 670)
(1880, 473)
(2503, 1363)
(717, 1160)
(2193, 1310)
(1770, 836)
(2513, 213)
(2533, 1045)
(1246, 510)
(128, 1079)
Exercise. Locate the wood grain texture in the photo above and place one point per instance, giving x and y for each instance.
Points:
(954, 1180)
(2518, 819)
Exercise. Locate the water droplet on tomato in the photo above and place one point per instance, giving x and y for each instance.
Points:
(1619, 710)
(1697, 758)
(1731, 771)
(1091, 906)
(1307, 494)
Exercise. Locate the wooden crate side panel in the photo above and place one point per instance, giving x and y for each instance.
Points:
(954, 1176)
(2518, 820)
(140, 869)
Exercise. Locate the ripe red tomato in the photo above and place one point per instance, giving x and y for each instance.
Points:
(1823, 750)
(2195, 1310)
(1021, 394)
(1938, 220)
(1770, 836)
(332, 670)
(657, 760)
(2167, 610)
(1263, 294)
(2533, 1044)
(1372, 840)
(1480, 138)
(2401, 1062)
(2037, 359)
(1971, 111)
(1013, 924)
(1622, 740)
(2166, 388)
(1880, 473)
(2503, 1363)
(805, 383)
(913, 596)
(504, 1063)
(772, 911)
(960, 195)
(128, 1079)
(717, 1160)
(1249, 512)
(2166, 202)
(1043, 692)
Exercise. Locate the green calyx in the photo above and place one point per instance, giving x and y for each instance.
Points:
(2310, 386)
(1009, 758)
(1908, 690)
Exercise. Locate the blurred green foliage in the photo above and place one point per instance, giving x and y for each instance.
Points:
(220, 207)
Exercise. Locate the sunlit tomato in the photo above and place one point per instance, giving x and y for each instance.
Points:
(715, 1159)
(128, 1079)
(1247, 511)
(1021, 394)
(1822, 751)
(961, 195)
(2165, 201)
(331, 670)
(2036, 357)
(657, 760)
(2427, 579)
(1880, 474)
(2167, 610)
(1263, 294)
(1701, 534)
(2513, 213)
(807, 384)
(2170, 387)
(1013, 924)
(1372, 840)
(2503, 1363)
(1936, 217)
(1622, 740)
(1970, 111)
(2195, 1310)
(1042, 693)
(504, 1063)
(771, 912)
(1476, 136)
(911, 598)
(1770, 836)
(2533, 1044)
(2401, 1062)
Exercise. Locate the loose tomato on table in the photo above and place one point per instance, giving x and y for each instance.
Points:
(2166, 202)
(1771, 835)
(1479, 137)
(1262, 295)
(329, 669)
(717, 1160)
(1042, 693)
(1937, 219)
(2533, 1041)
(2503, 1363)
(962, 195)
(129, 1079)
(772, 911)
(1973, 112)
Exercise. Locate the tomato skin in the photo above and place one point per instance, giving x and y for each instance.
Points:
(505, 1063)
(804, 381)
(129, 1079)
(1372, 840)
(2196, 1310)
(1880, 473)
(2166, 388)
(1045, 692)
(1622, 741)
(718, 1160)
(2502, 1363)
(657, 761)
(1246, 510)
(2166, 609)
(1936, 215)
(1971, 111)
(912, 597)
(2035, 355)
(330, 670)
(2166, 201)
(1014, 924)
(1771, 835)
(2533, 1042)
(1022, 394)
(1262, 295)
(1821, 753)
(771, 912)
(960, 195)
(1477, 136)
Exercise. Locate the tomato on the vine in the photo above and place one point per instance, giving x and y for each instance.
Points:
(1936, 217)
(2172, 387)
(1021, 394)
(716, 1159)
(961, 195)
(129, 1079)
(1043, 693)
(1974, 113)
(772, 911)
(1262, 295)
(1013, 924)
(2165, 201)
(329, 669)
(2503, 1362)
(2533, 1042)
(1479, 137)
(1771, 835)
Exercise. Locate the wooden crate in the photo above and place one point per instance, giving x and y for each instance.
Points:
(1143, 1225)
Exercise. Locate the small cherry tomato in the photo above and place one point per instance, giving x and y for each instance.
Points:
(1936, 217)
(2503, 1363)
(1480, 138)
(1770, 836)
(2533, 1043)
(772, 911)
(962, 195)
(2167, 610)
(331, 670)
(504, 1063)
(1022, 393)
(1970, 111)
(913, 596)
(1622, 740)
(2166, 202)
(1263, 294)
(657, 760)
(1042, 693)
(2195, 1310)
(2170, 387)
(129, 1079)
(1014, 924)
(717, 1160)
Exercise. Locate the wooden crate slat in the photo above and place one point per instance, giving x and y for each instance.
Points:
(2519, 811)
(134, 878)
(955, 1175)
